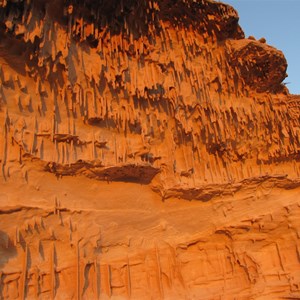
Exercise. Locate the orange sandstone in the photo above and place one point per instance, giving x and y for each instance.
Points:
(148, 150)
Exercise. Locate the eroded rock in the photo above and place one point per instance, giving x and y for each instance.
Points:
(147, 151)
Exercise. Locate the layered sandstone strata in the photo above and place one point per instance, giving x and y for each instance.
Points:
(115, 113)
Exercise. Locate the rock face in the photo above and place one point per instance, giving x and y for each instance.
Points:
(147, 150)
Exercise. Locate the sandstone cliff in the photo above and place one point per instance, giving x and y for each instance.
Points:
(148, 150)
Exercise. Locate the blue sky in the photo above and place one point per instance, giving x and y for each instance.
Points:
(279, 22)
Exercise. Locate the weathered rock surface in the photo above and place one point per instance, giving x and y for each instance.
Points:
(147, 150)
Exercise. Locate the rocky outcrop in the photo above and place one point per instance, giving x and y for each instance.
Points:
(262, 67)
(113, 114)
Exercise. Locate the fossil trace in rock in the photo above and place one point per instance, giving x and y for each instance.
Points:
(148, 150)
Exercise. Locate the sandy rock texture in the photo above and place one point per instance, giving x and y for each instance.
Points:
(148, 150)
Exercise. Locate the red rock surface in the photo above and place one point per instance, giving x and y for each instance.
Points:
(147, 150)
